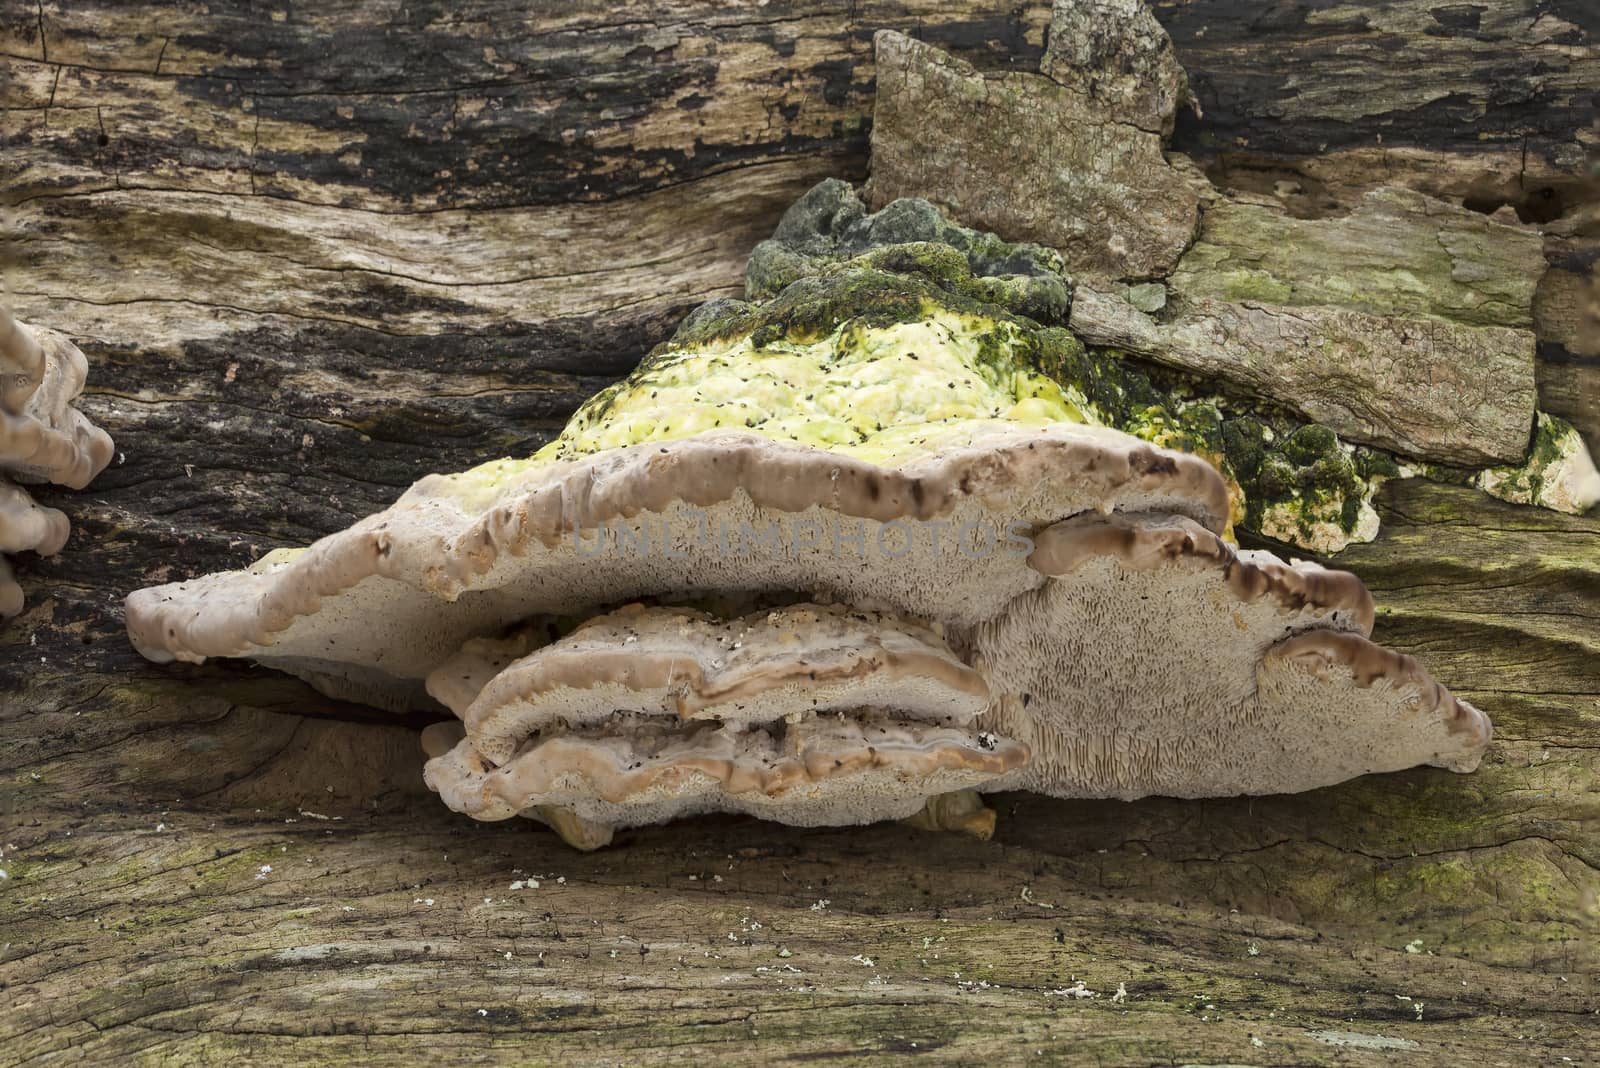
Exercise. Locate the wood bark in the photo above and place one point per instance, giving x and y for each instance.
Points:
(316, 253)
(1490, 105)
(1018, 153)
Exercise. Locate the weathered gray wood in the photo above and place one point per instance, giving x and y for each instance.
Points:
(1404, 323)
(1427, 388)
(1566, 312)
(1491, 99)
(1488, 104)
(374, 311)
(1397, 253)
(1115, 53)
(1029, 158)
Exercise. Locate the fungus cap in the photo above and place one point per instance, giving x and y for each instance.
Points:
(1254, 676)
(991, 589)
(396, 595)
(678, 662)
(42, 439)
(823, 771)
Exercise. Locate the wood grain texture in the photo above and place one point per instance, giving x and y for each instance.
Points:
(1441, 92)
(1566, 310)
(1424, 388)
(382, 929)
(313, 259)
(1490, 104)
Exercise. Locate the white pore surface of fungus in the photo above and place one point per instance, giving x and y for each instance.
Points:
(1256, 677)
(42, 439)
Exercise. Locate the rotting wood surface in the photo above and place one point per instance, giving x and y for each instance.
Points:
(315, 258)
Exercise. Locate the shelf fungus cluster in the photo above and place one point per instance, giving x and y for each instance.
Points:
(43, 438)
(842, 555)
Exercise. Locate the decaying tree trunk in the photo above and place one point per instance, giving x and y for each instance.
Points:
(314, 253)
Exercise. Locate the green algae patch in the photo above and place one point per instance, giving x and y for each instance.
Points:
(896, 353)
(1436, 882)
(830, 225)
(1302, 484)
(861, 360)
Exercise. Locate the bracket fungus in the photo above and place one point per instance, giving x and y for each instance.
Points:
(42, 439)
(823, 559)
(808, 713)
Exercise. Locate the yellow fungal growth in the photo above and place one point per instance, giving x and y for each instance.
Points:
(879, 393)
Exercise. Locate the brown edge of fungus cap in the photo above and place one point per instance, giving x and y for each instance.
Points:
(1143, 542)
(683, 665)
(1324, 653)
(824, 772)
